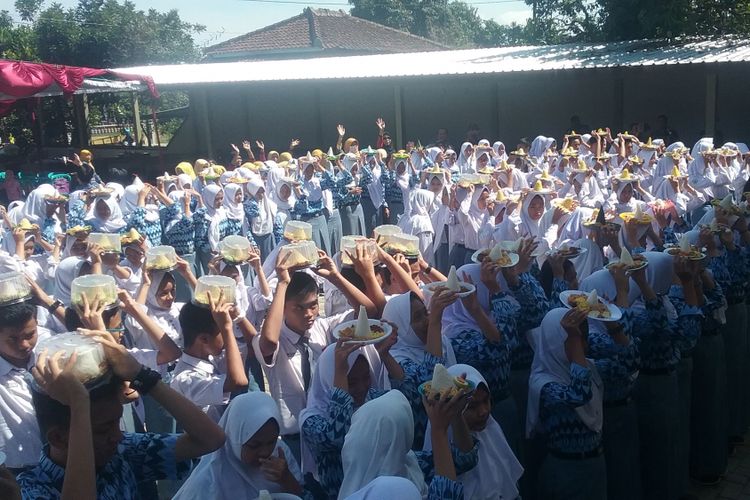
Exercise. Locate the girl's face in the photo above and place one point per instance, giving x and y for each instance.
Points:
(309, 171)
(231, 272)
(260, 194)
(354, 148)
(570, 276)
(435, 185)
(477, 411)
(261, 444)
(285, 192)
(482, 161)
(468, 151)
(78, 249)
(102, 209)
(358, 380)
(626, 194)
(50, 209)
(28, 248)
(536, 208)
(401, 168)
(419, 319)
(165, 294)
(219, 200)
(238, 196)
(482, 201)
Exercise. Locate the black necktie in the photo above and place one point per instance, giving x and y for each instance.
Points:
(304, 351)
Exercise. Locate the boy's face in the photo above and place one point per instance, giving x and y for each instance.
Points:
(214, 344)
(301, 312)
(17, 344)
(105, 427)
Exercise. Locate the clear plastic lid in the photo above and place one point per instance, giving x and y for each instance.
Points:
(302, 253)
(349, 245)
(215, 286)
(387, 230)
(14, 288)
(295, 230)
(109, 242)
(95, 287)
(91, 362)
(403, 243)
(161, 258)
(235, 249)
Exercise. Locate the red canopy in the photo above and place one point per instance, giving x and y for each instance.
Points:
(20, 79)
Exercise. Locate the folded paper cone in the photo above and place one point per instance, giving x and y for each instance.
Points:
(363, 325)
(626, 258)
(592, 298)
(441, 379)
(684, 244)
(452, 283)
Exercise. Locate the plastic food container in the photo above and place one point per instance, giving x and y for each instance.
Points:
(161, 258)
(386, 230)
(235, 249)
(109, 242)
(296, 230)
(14, 288)
(349, 245)
(91, 363)
(94, 287)
(300, 254)
(215, 286)
(403, 243)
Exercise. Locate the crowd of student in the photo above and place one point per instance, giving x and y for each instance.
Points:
(239, 397)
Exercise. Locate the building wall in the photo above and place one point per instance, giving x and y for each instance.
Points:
(505, 107)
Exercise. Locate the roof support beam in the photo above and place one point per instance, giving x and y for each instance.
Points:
(398, 108)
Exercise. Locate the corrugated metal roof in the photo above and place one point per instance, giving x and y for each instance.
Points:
(458, 62)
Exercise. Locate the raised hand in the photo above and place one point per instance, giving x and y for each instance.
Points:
(381, 124)
(341, 130)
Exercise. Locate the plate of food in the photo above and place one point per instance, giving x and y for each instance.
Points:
(499, 255)
(716, 227)
(443, 384)
(568, 204)
(630, 262)
(462, 288)
(101, 192)
(25, 225)
(684, 249)
(638, 216)
(568, 251)
(56, 199)
(596, 307)
(362, 330)
(79, 231)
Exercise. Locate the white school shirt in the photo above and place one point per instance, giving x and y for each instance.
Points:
(284, 372)
(20, 438)
(201, 382)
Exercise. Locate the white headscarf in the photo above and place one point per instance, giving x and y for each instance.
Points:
(500, 156)
(498, 470)
(409, 346)
(604, 284)
(214, 215)
(119, 189)
(167, 319)
(282, 204)
(35, 209)
(551, 364)
(465, 163)
(222, 475)
(418, 219)
(113, 224)
(263, 223)
(234, 209)
(66, 272)
(129, 200)
(392, 487)
(321, 387)
(530, 227)
(16, 211)
(379, 444)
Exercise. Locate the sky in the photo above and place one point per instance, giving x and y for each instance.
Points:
(226, 19)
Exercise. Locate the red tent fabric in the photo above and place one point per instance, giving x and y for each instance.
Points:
(22, 79)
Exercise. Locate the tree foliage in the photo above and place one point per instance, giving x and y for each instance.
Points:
(457, 24)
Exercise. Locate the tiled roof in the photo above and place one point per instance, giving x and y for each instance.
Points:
(321, 29)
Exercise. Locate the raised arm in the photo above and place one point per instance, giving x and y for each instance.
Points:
(270, 332)
(327, 269)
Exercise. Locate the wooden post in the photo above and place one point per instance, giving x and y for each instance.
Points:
(318, 116)
(710, 125)
(137, 128)
(81, 113)
(398, 109)
(619, 101)
(203, 127)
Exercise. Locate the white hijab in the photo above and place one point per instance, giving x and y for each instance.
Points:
(529, 227)
(408, 345)
(66, 272)
(222, 475)
(465, 163)
(129, 199)
(551, 364)
(214, 215)
(321, 387)
(379, 444)
(167, 319)
(418, 220)
(234, 209)
(35, 209)
(498, 470)
(113, 224)
(392, 487)
(263, 223)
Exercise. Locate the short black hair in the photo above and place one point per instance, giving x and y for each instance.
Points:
(15, 316)
(50, 412)
(355, 279)
(194, 321)
(73, 319)
(301, 285)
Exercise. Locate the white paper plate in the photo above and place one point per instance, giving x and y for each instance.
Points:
(631, 270)
(614, 311)
(672, 247)
(581, 251)
(514, 258)
(373, 322)
(283, 496)
(430, 288)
